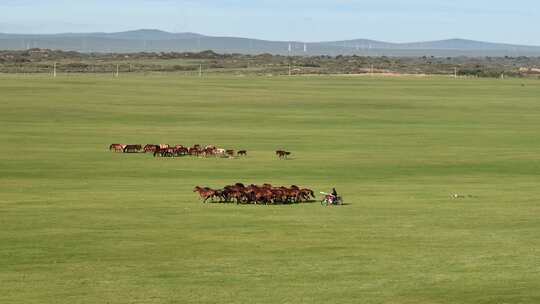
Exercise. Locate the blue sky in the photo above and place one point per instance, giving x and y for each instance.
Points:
(515, 21)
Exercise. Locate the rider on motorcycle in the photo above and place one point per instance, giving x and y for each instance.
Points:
(334, 195)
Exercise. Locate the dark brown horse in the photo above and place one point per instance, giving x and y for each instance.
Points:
(242, 153)
(181, 151)
(282, 154)
(133, 149)
(166, 152)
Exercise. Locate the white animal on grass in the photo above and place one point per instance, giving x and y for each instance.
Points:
(220, 152)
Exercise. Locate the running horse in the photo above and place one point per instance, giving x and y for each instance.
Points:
(254, 194)
(206, 193)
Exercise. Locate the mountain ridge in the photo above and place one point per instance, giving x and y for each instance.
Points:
(162, 41)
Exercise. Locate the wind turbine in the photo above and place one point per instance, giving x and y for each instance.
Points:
(290, 50)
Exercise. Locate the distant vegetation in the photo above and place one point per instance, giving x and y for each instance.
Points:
(42, 61)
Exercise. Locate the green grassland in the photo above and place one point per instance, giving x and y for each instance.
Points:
(79, 224)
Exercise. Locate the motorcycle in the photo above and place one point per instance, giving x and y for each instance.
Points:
(331, 200)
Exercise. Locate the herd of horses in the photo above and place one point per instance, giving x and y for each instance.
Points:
(177, 150)
(237, 193)
(180, 150)
(254, 194)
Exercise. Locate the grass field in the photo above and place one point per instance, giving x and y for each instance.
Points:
(79, 224)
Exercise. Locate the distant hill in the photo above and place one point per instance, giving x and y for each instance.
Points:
(160, 41)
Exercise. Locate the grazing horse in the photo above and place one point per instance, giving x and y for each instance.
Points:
(167, 152)
(117, 147)
(194, 151)
(151, 148)
(220, 152)
(242, 153)
(282, 154)
(208, 151)
(132, 148)
(182, 151)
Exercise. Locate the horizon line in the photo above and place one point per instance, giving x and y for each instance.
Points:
(261, 39)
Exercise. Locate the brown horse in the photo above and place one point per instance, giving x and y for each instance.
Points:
(306, 194)
(242, 153)
(194, 151)
(230, 153)
(117, 147)
(209, 151)
(206, 193)
(151, 148)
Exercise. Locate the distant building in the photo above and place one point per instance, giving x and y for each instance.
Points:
(529, 70)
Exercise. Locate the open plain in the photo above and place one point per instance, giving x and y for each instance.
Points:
(80, 224)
